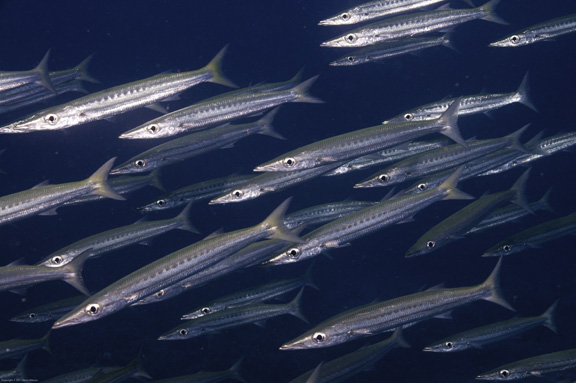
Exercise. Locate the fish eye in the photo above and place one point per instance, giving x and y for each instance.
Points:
(351, 58)
(408, 116)
(153, 128)
(140, 163)
(504, 373)
(430, 244)
(32, 315)
(384, 177)
(293, 253)
(238, 193)
(351, 38)
(506, 248)
(51, 118)
(514, 39)
(289, 162)
(161, 202)
(345, 16)
(57, 260)
(206, 310)
(449, 345)
(160, 293)
(93, 309)
(319, 337)
(183, 331)
(422, 187)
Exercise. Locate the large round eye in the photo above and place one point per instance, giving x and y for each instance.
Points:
(205, 310)
(238, 193)
(408, 116)
(57, 259)
(345, 16)
(383, 178)
(351, 58)
(293, 253)
(183, 331)
(289, 162)
(32, 315)
(514, 39)
(351, 38)
(51, 118)
(422, 187)
(506, 248)
(430, 244)
(160, 294)
(161, 202)
(140, 163)
(504, 373)
(93, 309)
(153, 128)
(319, 337)
(449, 345)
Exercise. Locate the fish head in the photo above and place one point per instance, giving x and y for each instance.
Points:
(289, 163)
(515, 40)
(161, 203)
(137, 165)
(88, 311)
(349, 40)
(425, 245)
(61, 258)
(238, 195)
(152, 129)
(503, 373)
(350, 60)
(408, 117)
(318, 338)
(181, 332)
(296, 253)
(504, 249)
(202, 311)
(447, 346)
(390, 176)
(30, 317)
(350, 16)
(47, 119)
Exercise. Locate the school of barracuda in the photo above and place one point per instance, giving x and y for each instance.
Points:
(425, 144)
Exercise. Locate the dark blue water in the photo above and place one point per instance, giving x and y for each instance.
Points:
(270, 41)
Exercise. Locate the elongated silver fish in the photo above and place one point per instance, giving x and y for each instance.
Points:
(534, 237)
(46, 198)
(361, 142)
(118, 238)
(354, 225)
(387, 49)
(119, 99)
(556, 364)
(376, 9)
(375, 318)
(48, 312)
(15, 347)
(9, 80)
(195, 144)
(494, 332)
(460, 222)
(17, 277)
(319, 214)
(196, 192)
(233, 317)
(208, 376)
(174, 267)
(411, 25)
(542, 31)
(480, 103)
(220, 110)
(43, 94)
(441, 159)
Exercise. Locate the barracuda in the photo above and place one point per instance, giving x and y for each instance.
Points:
(354, 225)
(119, 99)
(375, 318)
(542, 31)
(175, 267)
(412, 24)
(220, 110)
(364, 141)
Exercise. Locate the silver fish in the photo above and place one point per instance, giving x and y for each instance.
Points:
(9, 80)
(542, 31)
(15, 347)
(48, 312)
(375, 318)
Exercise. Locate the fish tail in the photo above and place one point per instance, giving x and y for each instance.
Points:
(493, 284)
(155, 179)
(490, 15)
(234, 371)
(449, 120)
(184, 220)
(398, 339)
(296, 306)
(74, 271)
(302, 91)
(308, 278)
(447, 41)
(82, 70)
(544, 202)
(450, 184)
(266, 127)
(519, 187)
(42, 70)
(46, 341)
(549, 317)
(515, 140)
(215, 67)
(99, 179)
(276, 220)
(523, 91)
